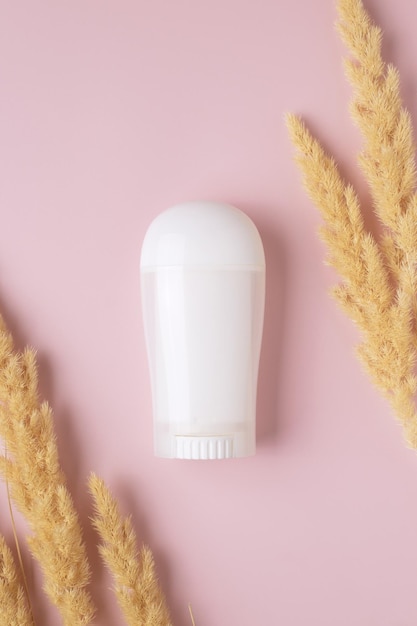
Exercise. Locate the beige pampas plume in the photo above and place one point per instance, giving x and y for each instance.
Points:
(379, 280)
(36, 483)
(38, 486)
(14, 608)
(136, 586)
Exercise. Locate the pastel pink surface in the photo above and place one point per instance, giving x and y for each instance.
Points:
(110, 113)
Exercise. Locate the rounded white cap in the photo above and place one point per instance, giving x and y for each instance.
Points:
(201, 234)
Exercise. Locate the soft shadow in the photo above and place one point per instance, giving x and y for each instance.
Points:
(268, 423)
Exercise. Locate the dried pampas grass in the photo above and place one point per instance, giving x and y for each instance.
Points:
(37, 485)
(379, 279)
(15, 609)
(136, 586)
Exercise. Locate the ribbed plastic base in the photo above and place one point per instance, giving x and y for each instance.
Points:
(174, 444)
(202, 448)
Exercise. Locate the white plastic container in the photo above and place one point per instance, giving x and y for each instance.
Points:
(203, 291)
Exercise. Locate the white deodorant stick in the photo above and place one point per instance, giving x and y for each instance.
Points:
(203, 293)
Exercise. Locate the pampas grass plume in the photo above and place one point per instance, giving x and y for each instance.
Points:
(38, 486)
(379, 278)
(14, 608)
(136, 586)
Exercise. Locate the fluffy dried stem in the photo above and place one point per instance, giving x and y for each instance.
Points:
(15, 610)
(388, 159)
(379, 280)
(136, 586)
(38, 486)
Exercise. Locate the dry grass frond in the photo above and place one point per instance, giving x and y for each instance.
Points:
(388, 159)
(353, 252)
(38, 485)
(17, 545)
(15, 610)
(379, 280)
(136, 586)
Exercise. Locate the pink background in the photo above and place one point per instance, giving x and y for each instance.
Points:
(111, 112)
